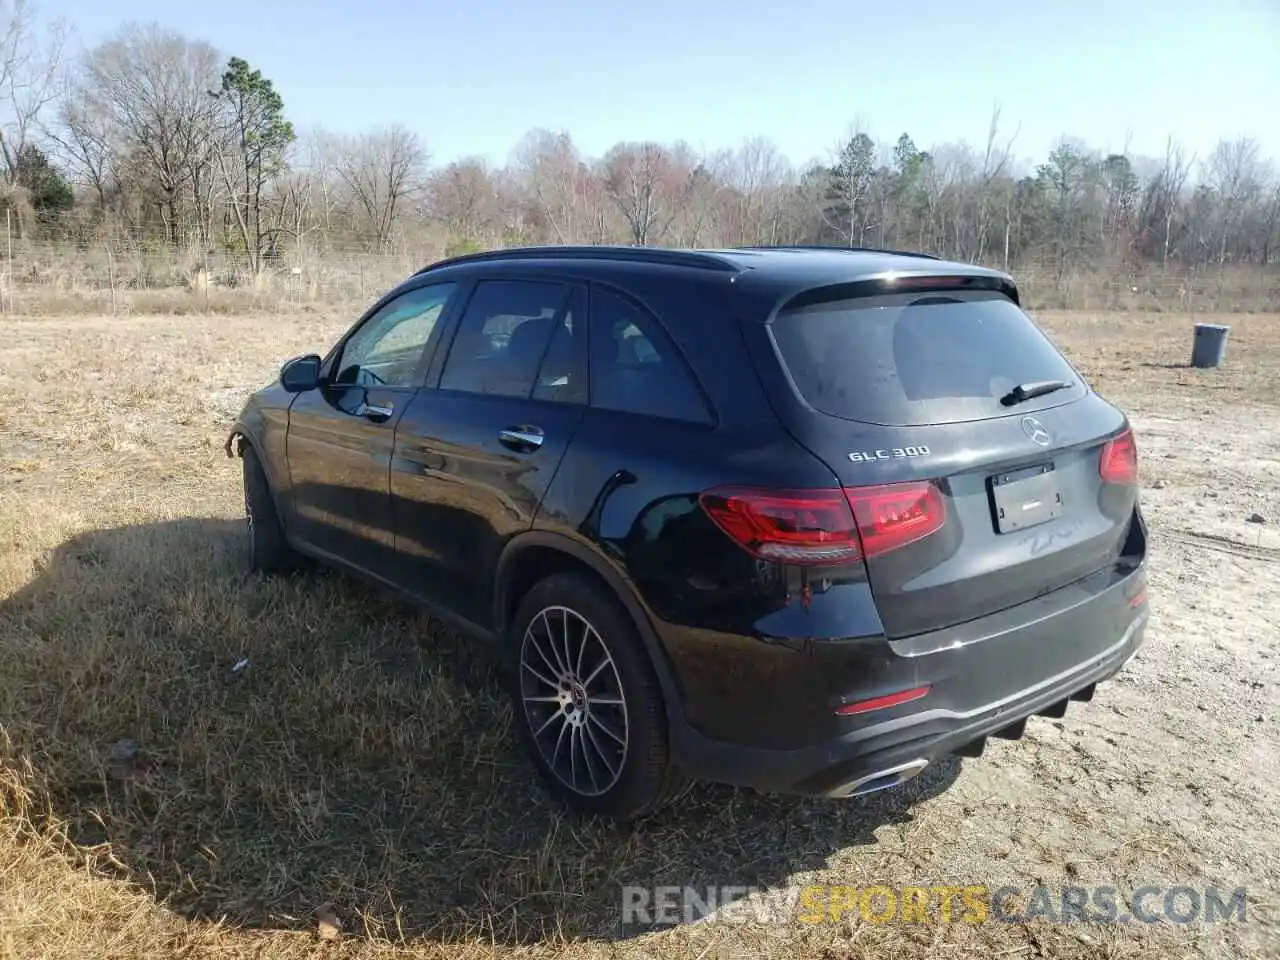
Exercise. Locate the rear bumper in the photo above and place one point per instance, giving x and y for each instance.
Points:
(985, 679)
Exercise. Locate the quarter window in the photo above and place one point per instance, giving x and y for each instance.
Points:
(635, 368)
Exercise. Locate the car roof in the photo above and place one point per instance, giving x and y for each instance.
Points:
(770, 273)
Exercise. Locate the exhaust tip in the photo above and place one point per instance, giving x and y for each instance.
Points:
(879, 780)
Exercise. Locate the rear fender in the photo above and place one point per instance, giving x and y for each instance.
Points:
(617, 583)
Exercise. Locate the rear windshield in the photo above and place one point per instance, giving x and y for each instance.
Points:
(918, 358)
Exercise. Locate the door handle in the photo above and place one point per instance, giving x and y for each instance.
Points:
(522, 438)
(377, 412)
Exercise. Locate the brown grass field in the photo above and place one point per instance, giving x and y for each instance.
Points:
(363, 759)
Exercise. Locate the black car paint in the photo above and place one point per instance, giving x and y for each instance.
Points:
(338, 462)
(459, 495)
(753, 656)
(264, 424)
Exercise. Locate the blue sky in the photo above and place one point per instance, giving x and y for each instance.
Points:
(473, 75)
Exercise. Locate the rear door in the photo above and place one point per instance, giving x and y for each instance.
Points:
(958, 389)
(476, 451)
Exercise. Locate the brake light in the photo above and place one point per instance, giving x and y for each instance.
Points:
(1118, 462)
(899, 282)
(826, 526)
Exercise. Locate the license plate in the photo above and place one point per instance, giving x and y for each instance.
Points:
(1025, 498)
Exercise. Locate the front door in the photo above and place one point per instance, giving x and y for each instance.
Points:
(475, 455)
(340, 435)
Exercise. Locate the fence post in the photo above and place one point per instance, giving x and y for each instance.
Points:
(8, 232)
(111, 277)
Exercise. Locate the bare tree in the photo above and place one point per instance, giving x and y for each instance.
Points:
(647, 184)
(1235, 172)
(1162, 200)
(82, 133)
(147, 91)
(1270, 222)
(294, 204)
(556, 181)
(315, 159)
(382, 169)
(995, 160)
(954, 170)
(702, 219)
(463, 197)
(29, 60)
(30, 56)
(753, 172)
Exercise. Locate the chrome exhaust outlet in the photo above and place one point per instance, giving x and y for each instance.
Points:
(879, 780)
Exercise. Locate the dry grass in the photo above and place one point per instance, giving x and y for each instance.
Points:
(363, 758)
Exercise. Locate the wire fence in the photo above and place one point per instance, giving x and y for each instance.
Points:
(106, 278)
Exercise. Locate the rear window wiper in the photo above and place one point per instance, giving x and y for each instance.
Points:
(1032, 389)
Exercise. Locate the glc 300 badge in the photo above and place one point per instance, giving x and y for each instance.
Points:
(893, 453)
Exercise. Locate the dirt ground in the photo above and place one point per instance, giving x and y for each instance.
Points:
(155, 801)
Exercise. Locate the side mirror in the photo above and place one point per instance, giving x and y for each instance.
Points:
(301, 373)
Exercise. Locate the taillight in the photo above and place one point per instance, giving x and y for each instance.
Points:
(895, 514)
(789, 526)
(1118, 462)
(826, 526)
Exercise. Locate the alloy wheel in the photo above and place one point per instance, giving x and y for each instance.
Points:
(573, 700)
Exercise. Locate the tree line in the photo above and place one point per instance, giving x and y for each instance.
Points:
(153, 137)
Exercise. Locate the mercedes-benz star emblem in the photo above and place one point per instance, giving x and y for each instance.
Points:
(1035, 431)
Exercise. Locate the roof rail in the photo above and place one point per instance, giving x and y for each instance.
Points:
(833, 249)
(658, 255)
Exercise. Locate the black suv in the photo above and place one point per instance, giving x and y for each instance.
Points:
(797, 519)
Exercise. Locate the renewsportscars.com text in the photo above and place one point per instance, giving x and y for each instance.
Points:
(973, 904)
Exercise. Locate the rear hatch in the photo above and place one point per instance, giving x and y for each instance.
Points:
(982, 470)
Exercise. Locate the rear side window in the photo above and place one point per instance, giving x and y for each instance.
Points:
(634, 366)
(563, 374)
(918, 358)
(502, 337)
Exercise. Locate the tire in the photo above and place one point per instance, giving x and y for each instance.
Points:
(269, 552)
(632, 775)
